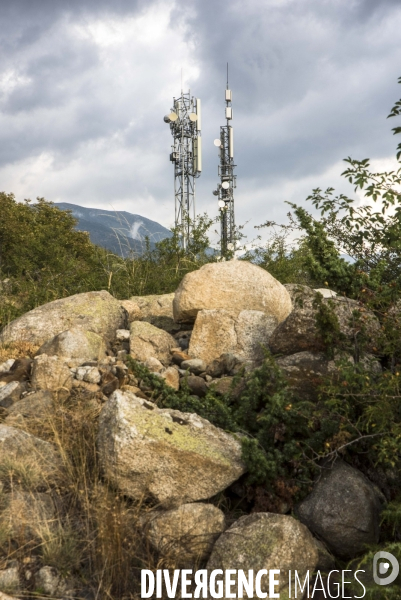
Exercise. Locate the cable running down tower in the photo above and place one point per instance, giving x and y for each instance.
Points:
(225, 189)
(185, 126)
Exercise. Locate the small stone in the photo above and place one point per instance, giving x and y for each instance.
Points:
(92, 375)
(172, 378)
(9, 579)
(122, 335)
(6, 366)
(194, 365)
(178, 356)
(197, 385)
(153, 364)
(109, 383)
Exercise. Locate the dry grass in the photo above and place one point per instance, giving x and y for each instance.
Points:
(18, 350)
(95, 536)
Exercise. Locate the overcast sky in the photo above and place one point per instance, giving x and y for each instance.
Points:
(84, 88)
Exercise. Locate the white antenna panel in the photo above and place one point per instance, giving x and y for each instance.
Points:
(198, 112)
(229, 112)
(231, 141)
(198, 154)
(228, 95)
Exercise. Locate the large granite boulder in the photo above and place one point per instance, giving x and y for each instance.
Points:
(148, 341)
(169, 456)
(75, 346)
(93, 311)
(219, 331)
(299, 332)
(266, 541)
(184, 535)
(343, 510)
(233, 285)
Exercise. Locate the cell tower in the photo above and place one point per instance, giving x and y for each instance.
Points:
(185, 125)
(225, 189)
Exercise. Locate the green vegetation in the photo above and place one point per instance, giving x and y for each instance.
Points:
(43, 258)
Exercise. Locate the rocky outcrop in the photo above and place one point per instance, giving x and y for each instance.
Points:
(221, 331)
(75, 346)
(343, 510)
(266, 541)
(184, 535)
(98, 312)
(172, 457)
(147, 341)
(300, 332)
(235, 285)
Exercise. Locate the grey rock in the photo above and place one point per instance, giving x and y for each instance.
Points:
(194, 365)
(184, 535)
(36, 405)
(6, 366)
(122, 335)
(10, 393)
(197, 385)
(172, 457)
(92, 311)
(343, 510)
(266, 541)
(219, 331)
(50, 373)
(31, 452)
(9, 579)
(75, 346)
(299, 331)
(148, 341)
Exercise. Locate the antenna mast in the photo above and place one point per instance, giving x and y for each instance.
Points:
(186, 156)
(225, 189)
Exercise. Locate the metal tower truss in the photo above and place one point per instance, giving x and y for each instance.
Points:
(225, 189)
(186, 156)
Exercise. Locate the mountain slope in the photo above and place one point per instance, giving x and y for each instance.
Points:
(119, 231)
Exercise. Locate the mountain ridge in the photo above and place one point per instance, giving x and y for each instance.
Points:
(121, 232)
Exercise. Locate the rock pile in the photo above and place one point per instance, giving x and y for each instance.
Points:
(214, 326)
